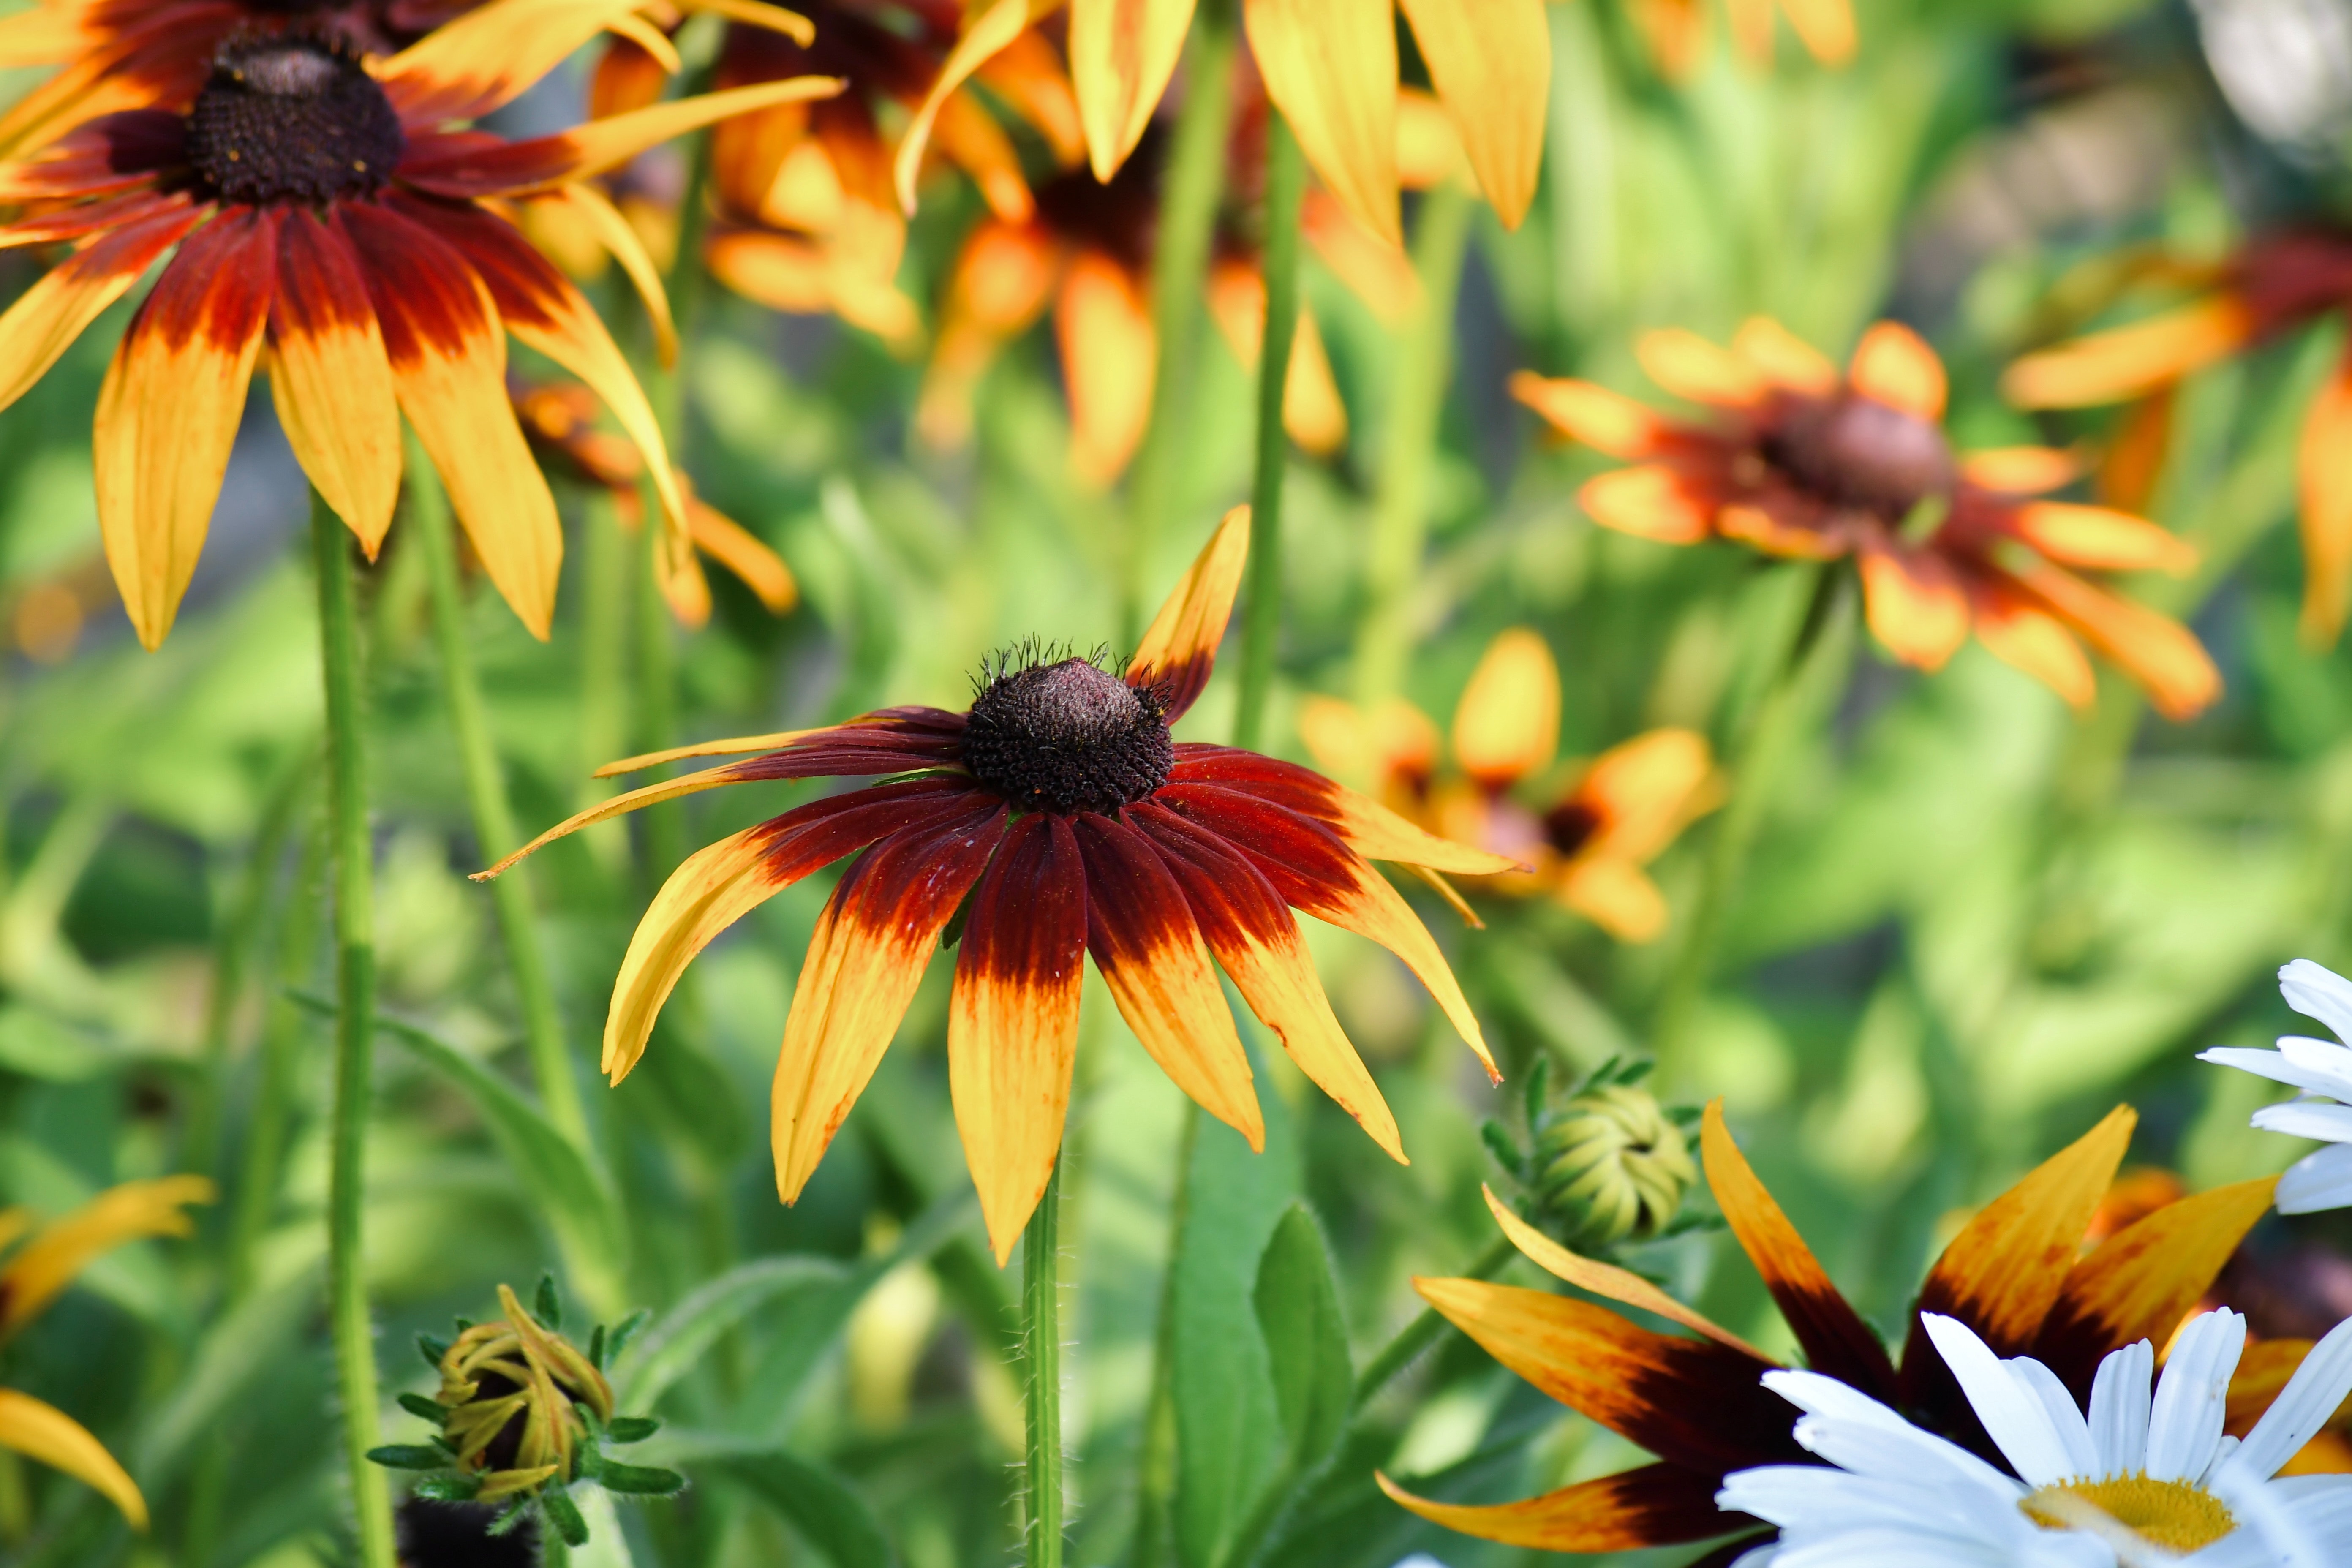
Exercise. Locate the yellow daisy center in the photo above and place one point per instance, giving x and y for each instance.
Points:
(2172, 1514)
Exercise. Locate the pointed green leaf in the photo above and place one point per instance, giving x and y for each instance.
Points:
(409, 1457)
(631, 1428)
(1305, 1338)
(430, 1409)
(563, 1514)
(548, 1307)
(640, 1481)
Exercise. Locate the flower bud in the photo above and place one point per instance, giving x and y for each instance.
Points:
(1611, 1166)
(514, 1393)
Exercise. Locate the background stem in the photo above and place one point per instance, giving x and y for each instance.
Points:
(353, 852)
(1041, 1351)
(1155, 1479)
(486, 797)
(1424, 371)
(1285, 187)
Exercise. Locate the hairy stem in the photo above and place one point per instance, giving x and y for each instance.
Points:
(1041, 1351)
(1286, 186)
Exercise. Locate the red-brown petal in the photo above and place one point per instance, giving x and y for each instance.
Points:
(1655, 1505)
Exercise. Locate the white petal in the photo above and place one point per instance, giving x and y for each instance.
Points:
(2320, 1180)
(2185, 1423)
(2325, 1065)
(2318, 991)
(2303, 1406)
(2273, 1065)
(2065, 1416)
(1897, 1548)
(2012, 1411)
(1904, 1457)
(2119, 1399)
(2307, 1118)
(1757, 1556)
(2269, 1517)
(1818, 1396)
(1811, 1501)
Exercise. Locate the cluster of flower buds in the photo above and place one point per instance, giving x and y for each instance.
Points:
(1604, 1163)
(523, 1413)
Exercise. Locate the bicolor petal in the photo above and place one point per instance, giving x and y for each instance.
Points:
(2103, 537)
(1651, 503)
(2021, 634)
(37, 330)
(1180, 646)
(1915, 604)
(1697, 370)
(1507, 725)
(2124, 362)
(1655, 1505)
(1491, 63)
(1608, 421)
(1893, 365)
(2160, 653)
(329, 378)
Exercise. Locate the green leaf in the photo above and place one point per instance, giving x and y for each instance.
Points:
(640, 1481)
(409, 1457)
(812, 1498)
(1305, 1338)
(688, 1330)
(432, 1347)
(430, 1409)
(548, 1307)
(458, 1487)
(631, 1428)
(624, 1330)
(563, 1514)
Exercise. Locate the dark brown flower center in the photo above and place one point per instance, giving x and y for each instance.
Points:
(1569, 827)
(1857, 451)
(293, 120)
(1066, 737)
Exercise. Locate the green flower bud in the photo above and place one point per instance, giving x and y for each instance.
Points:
(515, 1394)
(1611, 1166)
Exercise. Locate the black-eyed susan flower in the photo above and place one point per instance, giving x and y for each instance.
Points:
(559, 421)
(1802, 461)
(34, 1275)
(1060, 815)
(2016, 1276)
(2276, 285)
(1590, 842)
(330, 230)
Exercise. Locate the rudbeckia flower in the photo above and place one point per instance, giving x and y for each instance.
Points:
(560, 423)
(2322, 1069)
(2141, 1481)
(1062, 820)
(34, 1275)
(1676, 31)
(2015, 1276)
(1590, 843)
(1801, 460)
(330, 229)
(2274, 287)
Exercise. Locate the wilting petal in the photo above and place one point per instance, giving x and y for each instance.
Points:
(1786, 359)
(2326, 473)
(1491, 62)
(1608, 1280)
(2140, 1283)
(1915, 604)
(1144, 939)
(45, 1264)
(1643, 791)
(2021, 635)
(1595, 416)
(867, 956)
(2002, 1273)
(2102, 537)
(2021, 470)
(168, 411)
(2128, 360)
(1698, 371)
(1616, 894)
(1104, 327)
(1893, 365)
(717, 886)
(329, 378)
(1315, 871)
(1370, 828)
(1013, 1020)
(1835, 1339)
(1180, 645)
(756, 566)
(1330, 66)
(448, 367)
(1255, 940)
(47, 317)
(1508, 723)
(1653, 502)
(1655, 1505)
(2160, 653)
(1122, 53)
(45, 1433)
(991, 32)
(1693, 1403)
(1824, 27)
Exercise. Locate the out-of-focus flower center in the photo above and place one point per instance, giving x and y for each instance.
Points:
(1570, 825)
(2171, 1514)
(1857, 451)
(293, 120)
(1068, 737)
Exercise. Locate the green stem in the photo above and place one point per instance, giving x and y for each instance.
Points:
(1422, 1332)
(664, 825)
(338, 650)
(1041, 1347)
(1771, 734)
(1409, 446)
(1285, 187)
(1155, 1509)
(1180, 263)
(486, 798)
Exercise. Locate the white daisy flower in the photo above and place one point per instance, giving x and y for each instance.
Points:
(2140, 1482)
(2323, 1070)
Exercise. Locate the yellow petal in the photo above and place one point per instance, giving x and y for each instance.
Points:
(1122, 53)
(1893, 365)
(43, 1432)
(1652, 1505)
(1824, 27)
(1330, 67)
(1595, 416)
(49, 1263)
(1616, 894)
(1508, 722)
(1641, 793)
(2326, 460)
(330, 379)
(746, 554)
(1915, 604)
(2102, 537)
(1650, 502)
(1608, 1280)
(1180, 646)
(46, 317)
(1784, 357)
(466, 67)
(2021, 470)
(620, 239)
(2128, 360)
(1108, 344)
(1491, 62)
(2028, 639)
(1691, 367)
(990, 33)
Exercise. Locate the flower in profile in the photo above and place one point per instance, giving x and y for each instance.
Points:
(1589, 841)
(1802, 461)
(2141, 1481)
(2322, 1069)
(35, 1274)
(2276, 285)
(1063, 820)
(331, 231)
(560, 420)
(2015, 1276)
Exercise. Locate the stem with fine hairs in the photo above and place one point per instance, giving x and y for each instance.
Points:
(1041, 1383)
(1285, 187)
